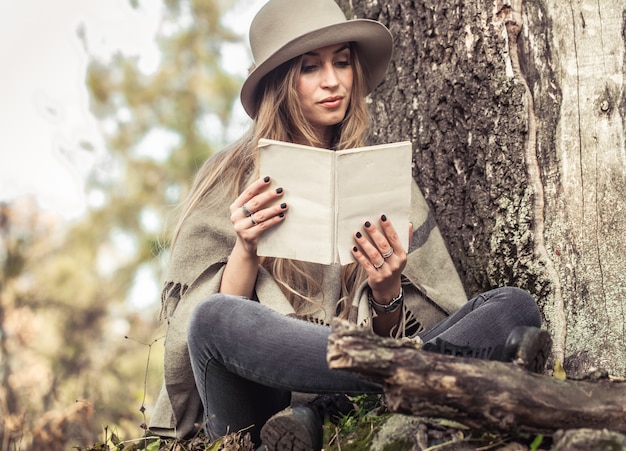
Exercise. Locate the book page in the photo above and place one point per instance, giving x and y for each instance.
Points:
(305, 173)
(372, 181)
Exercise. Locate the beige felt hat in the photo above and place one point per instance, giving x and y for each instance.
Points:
(284, 29)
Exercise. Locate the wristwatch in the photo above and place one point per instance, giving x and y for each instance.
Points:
(391, 307)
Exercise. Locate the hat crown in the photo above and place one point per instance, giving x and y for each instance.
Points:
(281, 21)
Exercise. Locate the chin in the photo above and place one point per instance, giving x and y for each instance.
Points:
(333, 120)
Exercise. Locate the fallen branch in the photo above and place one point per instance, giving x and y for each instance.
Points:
(481, 394)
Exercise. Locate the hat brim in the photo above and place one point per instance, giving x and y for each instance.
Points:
(372, 39)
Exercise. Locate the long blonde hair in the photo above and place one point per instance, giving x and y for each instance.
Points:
(279, 116)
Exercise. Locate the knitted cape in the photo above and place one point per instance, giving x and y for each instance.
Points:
(431, 285)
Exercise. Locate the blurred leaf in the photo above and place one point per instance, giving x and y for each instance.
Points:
(154, 446)
(559, 372)
(215, 446)
(536, 443)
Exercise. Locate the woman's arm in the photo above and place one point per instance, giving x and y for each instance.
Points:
(384, 322)
(240, 273)
(383, 258)
(250, 216)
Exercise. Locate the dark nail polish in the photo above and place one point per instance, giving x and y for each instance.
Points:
(367, 224)
(358, 235)
(383, 218)
(281, 215)
(283, 205)
(266, 179)
(354, 249)
(279, 190)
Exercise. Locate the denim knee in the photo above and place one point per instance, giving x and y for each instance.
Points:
(210, 320)
(520, 302)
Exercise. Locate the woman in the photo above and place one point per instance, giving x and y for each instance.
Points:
(235, 320)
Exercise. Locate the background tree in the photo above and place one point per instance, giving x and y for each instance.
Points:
(159, 128)
(53, 317)
(64, 291)
(516, 111)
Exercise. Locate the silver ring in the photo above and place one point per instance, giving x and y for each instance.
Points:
(245, 210)
(254, 221)
(389, 253)
(378, 266)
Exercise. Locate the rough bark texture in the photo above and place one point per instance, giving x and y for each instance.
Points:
(585, 213)
(516, 111)
(484, 395)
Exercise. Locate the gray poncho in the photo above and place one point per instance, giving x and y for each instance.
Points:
(432, 290)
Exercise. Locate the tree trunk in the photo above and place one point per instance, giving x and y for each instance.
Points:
(484, 395)
(516, 112)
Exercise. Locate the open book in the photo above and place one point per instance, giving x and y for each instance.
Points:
(331, 194)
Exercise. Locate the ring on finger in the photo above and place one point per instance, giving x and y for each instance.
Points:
(254, 221)
(388, 254)
(379, 265)
(245, 210)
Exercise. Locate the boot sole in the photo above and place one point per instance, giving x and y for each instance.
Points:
(288, 431)
(534, 350)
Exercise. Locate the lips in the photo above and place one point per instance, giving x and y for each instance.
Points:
(331, 102)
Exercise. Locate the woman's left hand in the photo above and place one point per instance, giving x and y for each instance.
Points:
(381, 254)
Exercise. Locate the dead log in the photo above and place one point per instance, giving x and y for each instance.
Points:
(484, 395)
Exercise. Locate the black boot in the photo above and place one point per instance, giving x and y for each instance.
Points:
(299, 428)
(440, 346)
(526, 346)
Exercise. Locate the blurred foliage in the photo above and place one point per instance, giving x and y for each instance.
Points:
(72, 349)
(160, 126)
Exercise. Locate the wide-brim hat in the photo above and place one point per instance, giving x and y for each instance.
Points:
(284, 29)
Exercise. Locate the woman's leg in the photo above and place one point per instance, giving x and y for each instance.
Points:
(487, 320)
(247, 358)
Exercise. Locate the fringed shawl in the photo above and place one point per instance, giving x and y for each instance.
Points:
(431, 285)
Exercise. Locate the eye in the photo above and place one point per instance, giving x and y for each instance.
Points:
(308, 68)
(342, 63)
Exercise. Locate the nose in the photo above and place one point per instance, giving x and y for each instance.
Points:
(329, 76)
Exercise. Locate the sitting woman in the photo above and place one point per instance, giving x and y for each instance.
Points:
(244, 331)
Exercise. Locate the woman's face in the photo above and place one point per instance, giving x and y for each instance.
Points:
(325, 84)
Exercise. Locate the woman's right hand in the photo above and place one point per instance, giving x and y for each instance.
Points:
(255, 211)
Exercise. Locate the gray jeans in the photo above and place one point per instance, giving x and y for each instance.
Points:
(247, 359)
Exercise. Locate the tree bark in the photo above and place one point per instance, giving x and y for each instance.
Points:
(484, 395)
(516, 111)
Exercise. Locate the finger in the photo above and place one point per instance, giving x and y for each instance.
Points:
(268, 214)
(262, 200)
(256, 187)
(379, 238)
(366, 263)
(254, 198)
(391, 234)
(236, 208)
(262, 219)
(370, 252)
